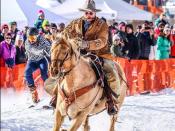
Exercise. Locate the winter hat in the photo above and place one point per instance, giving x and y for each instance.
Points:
(13, 23)
(33, 31)
(116, 37)
(161, 24)
(40, 12)
(61, 25)
(121, 24)
(115, 24)
(45, 23)
(8, 34)
(19, 36)
(89, 6)
(130, 26)
(167, 26)
(5, 26)
(53, 25)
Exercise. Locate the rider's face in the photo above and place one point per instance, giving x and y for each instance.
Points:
(89, 15)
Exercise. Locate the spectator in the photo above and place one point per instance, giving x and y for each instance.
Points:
(163, 44)
(46, 30)
(116, 48)
(1, 36)
(39, 21)
(131, 48)
(138, 31)
(25, 33)
(8, 51)
(159, 30)
(173, 42)
(5, 30)
(13, 30)
(53, 31)
(61, 27)
(20, 50)
(122, 32)
(161, 19)
(146, 40)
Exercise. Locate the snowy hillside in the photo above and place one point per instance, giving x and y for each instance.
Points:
(153, 112)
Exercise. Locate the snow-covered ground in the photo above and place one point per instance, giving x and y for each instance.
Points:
(152, 112)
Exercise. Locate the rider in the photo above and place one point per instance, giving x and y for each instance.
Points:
(91, 34)
(37, 50)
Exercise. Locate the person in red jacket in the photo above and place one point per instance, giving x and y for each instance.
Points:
(173, 42)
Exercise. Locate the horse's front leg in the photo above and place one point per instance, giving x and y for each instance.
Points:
(58, 120)
(77, 121)
(86, 126)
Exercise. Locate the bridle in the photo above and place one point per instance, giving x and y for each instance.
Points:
(68, 56)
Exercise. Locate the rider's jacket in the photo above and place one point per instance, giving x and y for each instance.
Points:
(96, 35)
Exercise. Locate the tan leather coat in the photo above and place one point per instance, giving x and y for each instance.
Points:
(96, 35)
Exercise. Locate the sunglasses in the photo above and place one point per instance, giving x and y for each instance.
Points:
(89, 13)
(32, 38)
(5, 27)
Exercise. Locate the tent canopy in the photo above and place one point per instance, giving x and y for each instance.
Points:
(110, 10)
(30, 10)
(128, 12)
(12, 12)
(69, 9)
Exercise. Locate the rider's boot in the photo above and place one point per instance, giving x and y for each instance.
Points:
(110, 103)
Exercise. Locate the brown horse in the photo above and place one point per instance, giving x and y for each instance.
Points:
(75, 74)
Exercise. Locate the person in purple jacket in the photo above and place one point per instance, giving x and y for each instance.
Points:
(8, 51)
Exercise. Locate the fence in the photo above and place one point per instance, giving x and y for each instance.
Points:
(142, 75)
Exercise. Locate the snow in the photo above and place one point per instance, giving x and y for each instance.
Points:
(152, 112)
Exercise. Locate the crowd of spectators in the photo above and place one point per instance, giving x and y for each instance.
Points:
(137, 45)
(12, 40)
(123, 40)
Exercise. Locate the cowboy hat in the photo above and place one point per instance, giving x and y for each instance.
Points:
(89, 6)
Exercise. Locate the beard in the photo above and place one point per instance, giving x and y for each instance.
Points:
(89, 18)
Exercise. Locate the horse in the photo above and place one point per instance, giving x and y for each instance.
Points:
(78, 93)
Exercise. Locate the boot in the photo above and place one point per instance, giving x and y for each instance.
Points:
(53, 101)
(34, 93)
(110, 104)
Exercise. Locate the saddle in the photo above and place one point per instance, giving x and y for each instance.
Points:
(97, 65)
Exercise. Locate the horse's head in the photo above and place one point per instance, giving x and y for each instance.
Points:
(61, 57)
